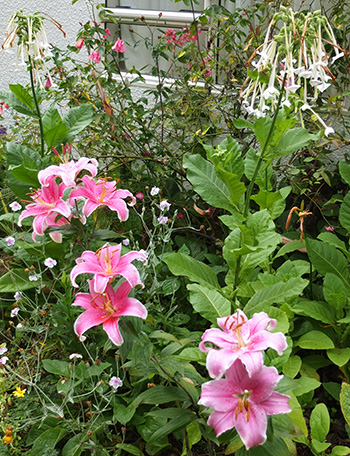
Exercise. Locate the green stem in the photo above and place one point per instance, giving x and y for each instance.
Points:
(256, 171)
(37, 107)
(261, 157)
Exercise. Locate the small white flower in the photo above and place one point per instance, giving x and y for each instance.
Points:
(115, 383)
(17, 295)
(14, 312)
(75, 356)
(19, 326)
(82, 338)
(33, 278)
(126, 242)
(3, 350)
(164, 205)
(10, 240)
(155, 191)
(3, 360)
(162, 220)
(328, 131)
(15, 206)
(50, 263)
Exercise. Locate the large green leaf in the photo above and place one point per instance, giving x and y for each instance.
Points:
(74, 446)
(202, 175)
(48, 440)
(77, 120)
(184, 265)
(335, 293)
(344, 213)
(55, 129)
(326, 258)
(233, 183)
(227, 155)
(57, 367)
(339, 356)
(263, 179)
(16, 104)
(179, 418)
(23, 95)
(293, 140)
(318, 310)
(319, 422)
(209, 303)
(345, 401)
(159, 395)
(344, 169)
(274, 294)
(15, 280)
(315, 340)
(22, 166)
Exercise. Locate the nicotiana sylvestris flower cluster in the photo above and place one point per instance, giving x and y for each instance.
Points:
(246, 395)
(33, 46)
(296, 55)
(54, 205)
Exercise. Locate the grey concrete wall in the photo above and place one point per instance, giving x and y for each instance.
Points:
(63, 11)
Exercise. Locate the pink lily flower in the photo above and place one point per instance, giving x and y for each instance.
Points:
(106, 264)
(47, 201)
(242, 339)
(106, 308)
(243, 402)
(68, 170)
(103, 193)
(119, 46)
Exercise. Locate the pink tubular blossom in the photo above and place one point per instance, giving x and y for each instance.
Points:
(103, 193)
(106, 264)
(242, 339)
(106, 308)
(47, 201)
(119, 46)
(68, 170)
(243, 402)
(139, 195)
(79, 44)
(95, 57)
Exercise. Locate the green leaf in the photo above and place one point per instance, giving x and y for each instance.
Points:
(194, 436)
(274, 294)
(131, 449)
(344, 212)
(319, 422)
(340, 451)
(209, 303)
(242, 123)
(201, 173)
(47, 441)
(184, 265)
(273, 447)
(77, 120)
(180, 419)
(233, 183)
(335, 293)
(306, 385)
(326, 258)
(292, 366)
(345, 401)
(159, 395)
(318, 310)
(57, 367)
(339, 356)
(291, 247)
(170, 286)
(15, 280)
(22, 95)
(74, 446)
(315, 340)
(250, 162)
(291, 141)
(344, 169)
(296, 415)
(123, 414)
(16, 104)
(227, 155)
(54, 129)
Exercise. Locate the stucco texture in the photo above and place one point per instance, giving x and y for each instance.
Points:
(63, 11)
